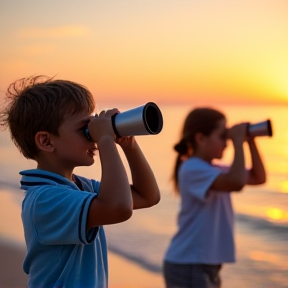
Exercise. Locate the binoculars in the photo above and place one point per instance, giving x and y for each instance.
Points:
(143, 120)
(260, 129)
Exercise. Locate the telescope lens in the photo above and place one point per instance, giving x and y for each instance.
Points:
(153, 119)
(269, 127)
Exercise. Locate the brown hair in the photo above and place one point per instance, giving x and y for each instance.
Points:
(39, 103)
(203, 120)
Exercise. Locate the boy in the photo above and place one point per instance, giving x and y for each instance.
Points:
(63, 213)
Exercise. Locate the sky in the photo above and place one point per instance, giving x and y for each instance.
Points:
(165, 51)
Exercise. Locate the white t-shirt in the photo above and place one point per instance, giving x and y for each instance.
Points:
(205, 220)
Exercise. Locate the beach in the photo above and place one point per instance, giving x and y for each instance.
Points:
(137, 246)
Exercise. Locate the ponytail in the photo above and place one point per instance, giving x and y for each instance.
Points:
(183, 149)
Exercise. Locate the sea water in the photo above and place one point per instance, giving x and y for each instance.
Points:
(261, 212)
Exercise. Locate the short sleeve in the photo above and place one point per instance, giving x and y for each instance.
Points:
(60, 215)
(196, 177)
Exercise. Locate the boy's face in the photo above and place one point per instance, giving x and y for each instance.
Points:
(72, 148)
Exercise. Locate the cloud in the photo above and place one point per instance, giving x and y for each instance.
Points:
(69, 31)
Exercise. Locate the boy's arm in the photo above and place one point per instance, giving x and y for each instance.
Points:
(257, 174)
(114, 202)
(145, 191)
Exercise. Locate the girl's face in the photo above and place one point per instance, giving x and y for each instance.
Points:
(212, 146)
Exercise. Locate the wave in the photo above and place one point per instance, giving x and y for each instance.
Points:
(261, 224)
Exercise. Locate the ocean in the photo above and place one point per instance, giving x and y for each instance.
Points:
(261, 225)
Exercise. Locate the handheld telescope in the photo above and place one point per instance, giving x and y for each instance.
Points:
(143, 120)
(260, 129)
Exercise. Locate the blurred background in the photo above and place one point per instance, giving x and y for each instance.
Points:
(180, 54)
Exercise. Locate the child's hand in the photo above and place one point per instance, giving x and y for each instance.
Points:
(249, 138)
(101, 125)
(126, 142)
(238, 132)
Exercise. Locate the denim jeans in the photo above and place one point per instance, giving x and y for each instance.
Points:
(191, 275)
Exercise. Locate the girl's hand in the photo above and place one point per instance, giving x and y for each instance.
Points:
(238, 132)
(249, 138)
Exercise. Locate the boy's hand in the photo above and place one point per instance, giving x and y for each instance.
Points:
(101, 125)
(126, 142)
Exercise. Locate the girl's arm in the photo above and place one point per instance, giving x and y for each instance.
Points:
(256, 174)
(145, 191)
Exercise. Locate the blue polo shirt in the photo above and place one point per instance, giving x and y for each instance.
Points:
(60, 252)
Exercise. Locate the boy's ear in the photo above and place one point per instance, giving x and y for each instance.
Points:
(43, 141)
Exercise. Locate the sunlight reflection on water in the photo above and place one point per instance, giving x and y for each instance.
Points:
(276, 214)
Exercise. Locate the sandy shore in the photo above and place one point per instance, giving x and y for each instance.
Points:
(122, 273)
(11, 259)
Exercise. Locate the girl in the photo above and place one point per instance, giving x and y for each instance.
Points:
(204, 239)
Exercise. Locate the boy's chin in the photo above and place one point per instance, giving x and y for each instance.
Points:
(91, 162)
(87, 163)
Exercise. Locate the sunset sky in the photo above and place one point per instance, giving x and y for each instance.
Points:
(174, 51)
